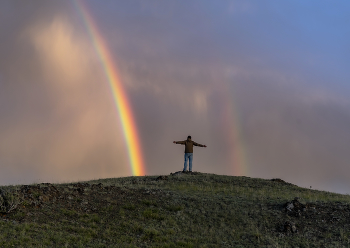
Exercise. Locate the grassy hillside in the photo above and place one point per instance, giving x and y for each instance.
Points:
(182, 210)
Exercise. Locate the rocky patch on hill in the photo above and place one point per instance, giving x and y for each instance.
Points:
(314, 219)
(180, 173)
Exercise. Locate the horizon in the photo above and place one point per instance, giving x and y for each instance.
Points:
(264, 85)
(170, 174)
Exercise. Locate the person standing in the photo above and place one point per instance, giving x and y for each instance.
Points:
(189, 143)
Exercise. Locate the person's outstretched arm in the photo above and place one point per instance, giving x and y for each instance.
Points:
(179, 142)
(197, 144)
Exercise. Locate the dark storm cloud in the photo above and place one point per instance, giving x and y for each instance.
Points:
(185, 66)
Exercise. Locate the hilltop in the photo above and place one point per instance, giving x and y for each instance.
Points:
(178, 210)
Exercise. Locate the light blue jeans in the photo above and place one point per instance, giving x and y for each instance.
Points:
(188, 156)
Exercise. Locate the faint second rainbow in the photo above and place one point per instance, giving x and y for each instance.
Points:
(120, 98)
(233, 132)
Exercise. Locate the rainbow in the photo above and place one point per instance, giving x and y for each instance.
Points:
(120, 98)
(234, 134)
(235, 138)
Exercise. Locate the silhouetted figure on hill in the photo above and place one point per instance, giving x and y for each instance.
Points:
(189, 143)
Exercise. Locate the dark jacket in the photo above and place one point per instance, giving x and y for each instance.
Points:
(188, 145)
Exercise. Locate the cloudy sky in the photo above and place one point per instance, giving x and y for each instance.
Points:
(264, 84)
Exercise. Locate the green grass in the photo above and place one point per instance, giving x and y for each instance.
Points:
(202, 210)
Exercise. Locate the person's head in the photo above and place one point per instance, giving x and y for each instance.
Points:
(189, 137)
